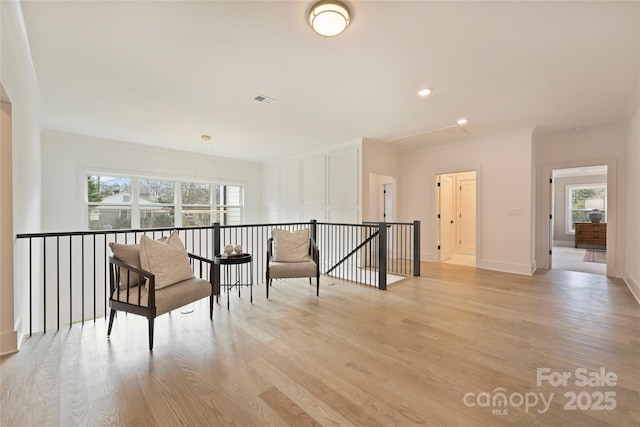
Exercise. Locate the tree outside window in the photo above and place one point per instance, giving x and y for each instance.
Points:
(109, 204)
(196, 204)
(157, 203)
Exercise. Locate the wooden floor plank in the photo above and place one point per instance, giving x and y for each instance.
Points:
(353, 356)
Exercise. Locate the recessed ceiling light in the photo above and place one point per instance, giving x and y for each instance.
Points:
(463, 122)
(424, 92)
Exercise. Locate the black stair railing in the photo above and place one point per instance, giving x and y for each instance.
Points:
(62, 278)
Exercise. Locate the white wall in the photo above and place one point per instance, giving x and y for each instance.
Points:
(380, 165)
(502, 162)
(17, 77)
(632, 248)
(560, 203)
(604, 145)
(66, 158)
(324, 186)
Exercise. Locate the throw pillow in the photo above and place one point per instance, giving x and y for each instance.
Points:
(131, 255)
(168, 261)
(290, 246)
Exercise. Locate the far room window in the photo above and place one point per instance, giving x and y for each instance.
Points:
(581, 200)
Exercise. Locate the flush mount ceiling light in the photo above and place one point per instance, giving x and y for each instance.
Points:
(424, 92)
(463, 122)
(329, 17)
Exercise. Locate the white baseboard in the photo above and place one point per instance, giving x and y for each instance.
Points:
(564, 243)
(633, 287)
(506, 267)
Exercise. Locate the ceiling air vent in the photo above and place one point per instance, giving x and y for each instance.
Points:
(264, 99)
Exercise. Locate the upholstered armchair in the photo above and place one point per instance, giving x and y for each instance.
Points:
(292, 255)
(156, 277)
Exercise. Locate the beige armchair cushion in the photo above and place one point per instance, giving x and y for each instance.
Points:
(168, 261)
(290, 246)
(168, 298)
(290, 270)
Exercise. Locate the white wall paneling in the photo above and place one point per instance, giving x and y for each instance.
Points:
(343, 178)
(324, 187)
(314, 181)
(289, 184)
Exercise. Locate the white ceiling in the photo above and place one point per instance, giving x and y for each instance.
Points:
(164, 72)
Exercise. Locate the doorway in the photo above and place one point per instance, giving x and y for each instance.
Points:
(578, 219)
(456, 217)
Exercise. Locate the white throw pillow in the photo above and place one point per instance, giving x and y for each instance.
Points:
(290, 247)
(168, 261)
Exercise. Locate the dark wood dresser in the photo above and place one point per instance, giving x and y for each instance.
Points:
(591, 233)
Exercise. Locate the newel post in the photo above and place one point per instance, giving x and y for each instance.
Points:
(382, 255)
(416, 248)
(216, 251)
(314, 230)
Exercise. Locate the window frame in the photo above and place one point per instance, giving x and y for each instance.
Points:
(136, 208)
(569, 189)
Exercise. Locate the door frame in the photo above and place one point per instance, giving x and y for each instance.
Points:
(543, 224)
(434, 224)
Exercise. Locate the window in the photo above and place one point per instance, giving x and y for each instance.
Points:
(109, 202)
(130, 202)
(229, 204)
(196, 204)
(581, 200)
(157, 203)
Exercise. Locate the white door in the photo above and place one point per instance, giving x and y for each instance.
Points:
(388, 202)
(447, 222)
(467, 217)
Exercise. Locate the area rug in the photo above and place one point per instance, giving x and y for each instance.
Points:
(595, 255)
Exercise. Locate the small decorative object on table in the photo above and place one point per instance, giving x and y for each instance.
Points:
(238, 249)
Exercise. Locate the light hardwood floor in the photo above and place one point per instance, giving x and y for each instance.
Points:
(353, 356)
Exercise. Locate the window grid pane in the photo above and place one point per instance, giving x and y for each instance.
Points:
(110, 203)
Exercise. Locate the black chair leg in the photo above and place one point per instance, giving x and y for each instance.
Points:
(112, 316)
(318, 286)
(268, 286)
(151, 334)
(211, 307)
